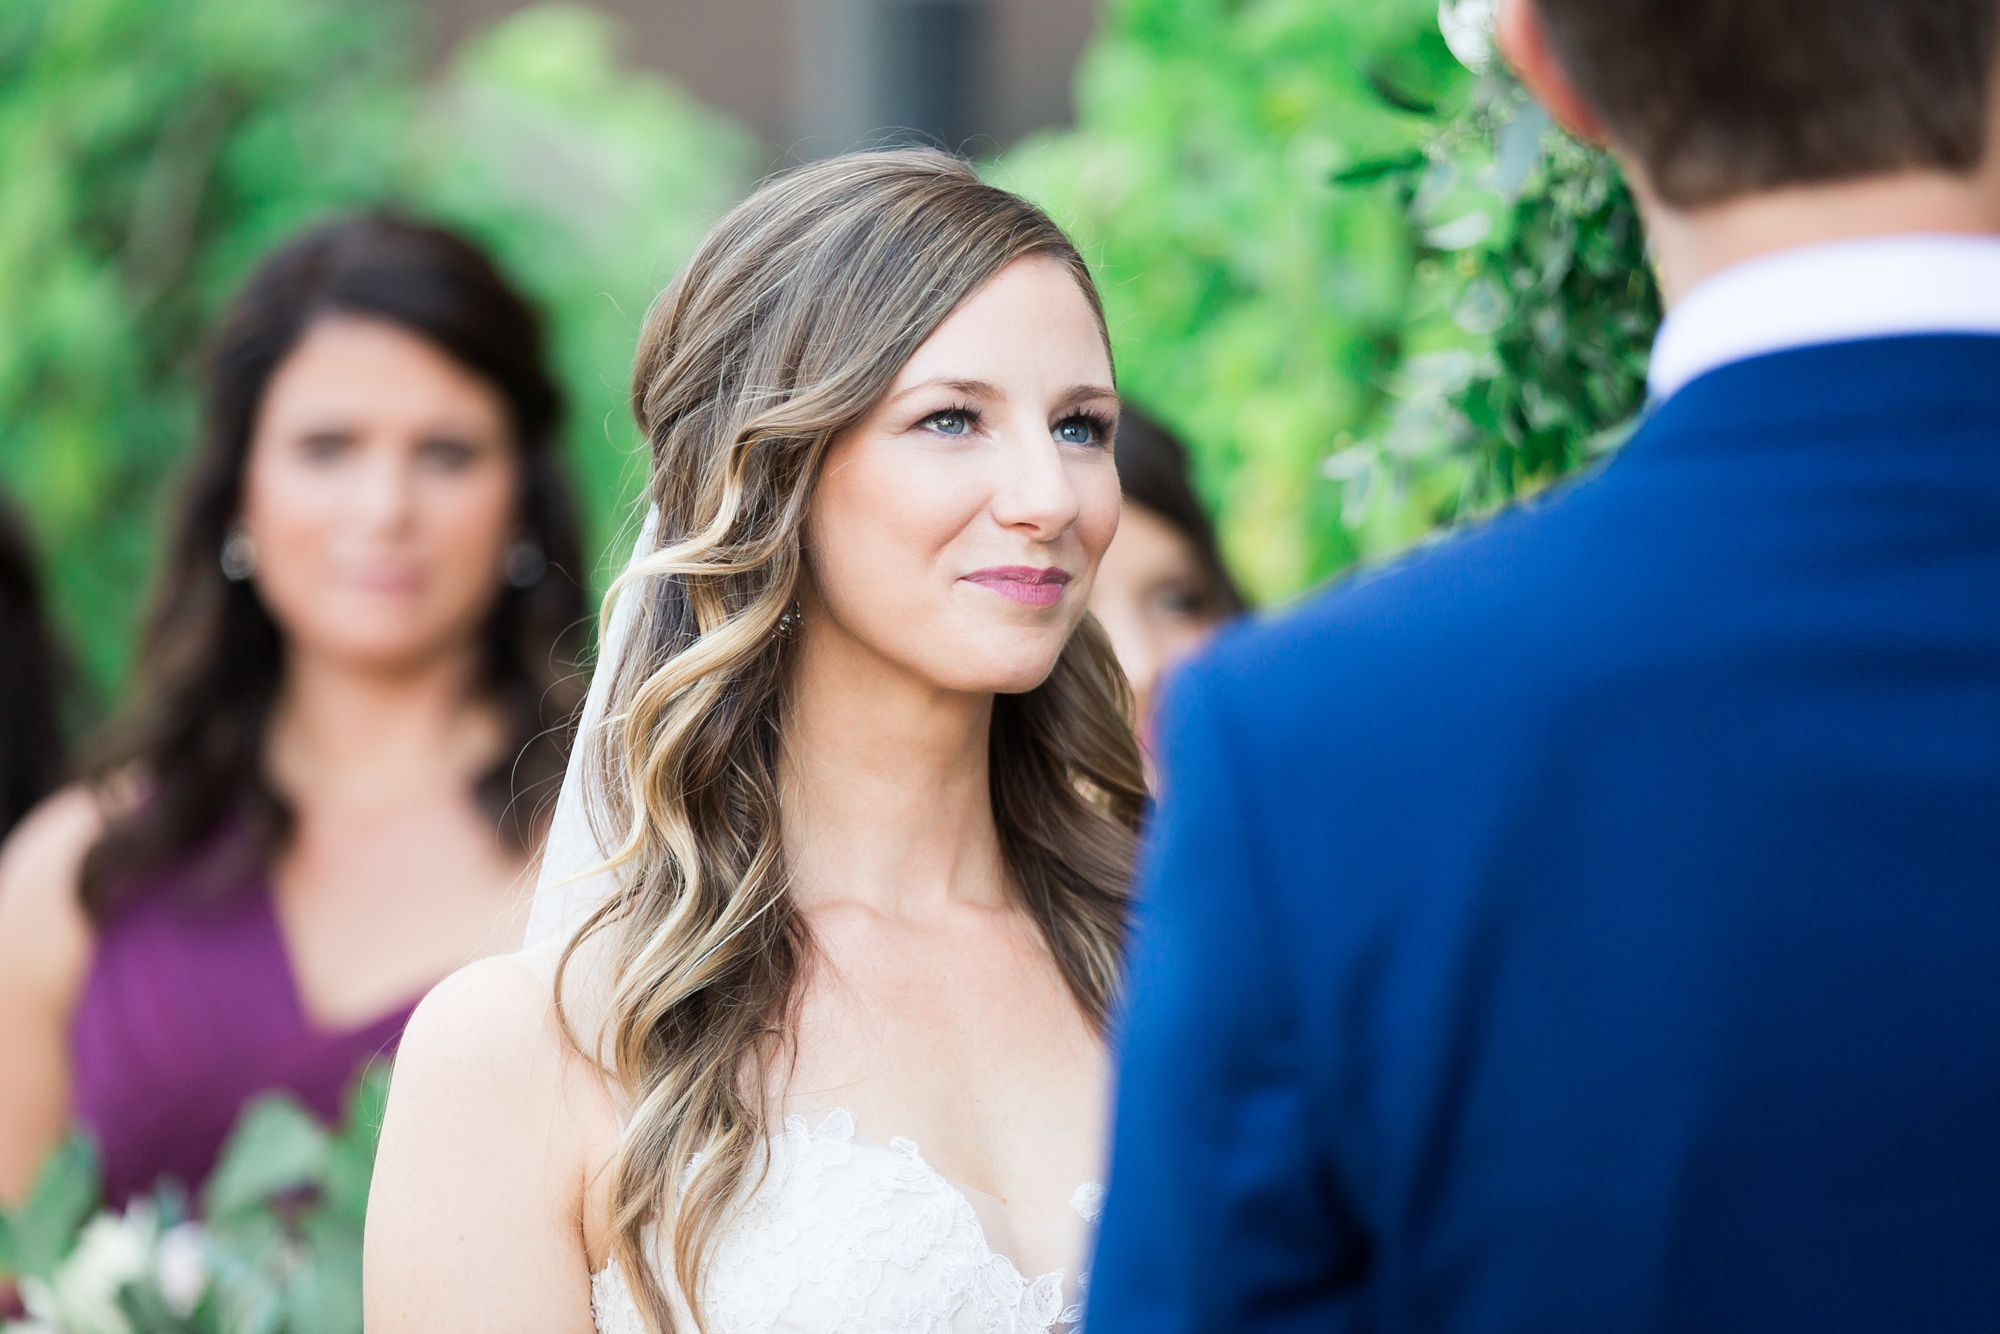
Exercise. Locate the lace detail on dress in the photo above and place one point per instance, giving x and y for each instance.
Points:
(612, 1308)
(847, 1237)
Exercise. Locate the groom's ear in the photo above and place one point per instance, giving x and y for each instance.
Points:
(1524, 44)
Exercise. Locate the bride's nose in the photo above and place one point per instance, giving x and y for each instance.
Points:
(1033, 491)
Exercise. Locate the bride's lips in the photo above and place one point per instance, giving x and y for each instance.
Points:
(1025, 584)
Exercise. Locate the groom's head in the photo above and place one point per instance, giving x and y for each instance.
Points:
(1716, 99)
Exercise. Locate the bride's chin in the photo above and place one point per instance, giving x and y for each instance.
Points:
(945, 654)
(1016, 681)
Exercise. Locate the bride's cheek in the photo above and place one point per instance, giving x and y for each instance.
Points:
(1097, 519)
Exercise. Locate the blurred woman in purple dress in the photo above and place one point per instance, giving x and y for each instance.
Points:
(353, 698)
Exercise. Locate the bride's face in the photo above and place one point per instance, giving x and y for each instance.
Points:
(955, 531)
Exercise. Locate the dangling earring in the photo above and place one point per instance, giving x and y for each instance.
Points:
(788, 624)
(525, 564)
(239, 555)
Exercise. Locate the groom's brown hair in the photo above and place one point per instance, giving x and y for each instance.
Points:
(1720, 98)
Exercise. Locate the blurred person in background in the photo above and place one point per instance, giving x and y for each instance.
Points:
(1162, 590)
(354, 688)
(31, 747)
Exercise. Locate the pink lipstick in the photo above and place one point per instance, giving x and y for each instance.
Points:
(1024, 584)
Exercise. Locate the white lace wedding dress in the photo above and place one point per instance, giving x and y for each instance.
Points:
(848, 1236)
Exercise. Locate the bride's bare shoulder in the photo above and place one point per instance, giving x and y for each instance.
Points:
(487, 1020)
(582, 977)
(492, 1031)
(495, 1129)
(491, 1035)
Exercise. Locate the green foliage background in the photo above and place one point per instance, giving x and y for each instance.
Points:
(1254, 304)
(1366, 282)
(153, 150)
(1369, 285)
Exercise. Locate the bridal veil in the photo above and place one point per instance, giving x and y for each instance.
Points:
(571, 886)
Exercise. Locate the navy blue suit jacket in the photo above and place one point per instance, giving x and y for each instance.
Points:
(1592, 923)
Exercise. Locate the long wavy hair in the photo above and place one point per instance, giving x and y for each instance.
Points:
(786, 329)
(33, 674)
(211, 660)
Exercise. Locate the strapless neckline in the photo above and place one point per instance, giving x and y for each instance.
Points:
(893, 1247)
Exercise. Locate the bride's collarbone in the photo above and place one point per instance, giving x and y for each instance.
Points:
(974, 1052)
(1009, 1104)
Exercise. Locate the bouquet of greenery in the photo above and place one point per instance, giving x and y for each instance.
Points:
(275, 1248)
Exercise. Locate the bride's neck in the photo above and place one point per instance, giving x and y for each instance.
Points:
(884, 785)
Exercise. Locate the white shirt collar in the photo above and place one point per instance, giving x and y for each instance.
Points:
(1881, 287)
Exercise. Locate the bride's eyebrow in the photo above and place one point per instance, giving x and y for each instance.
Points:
(1085, 393)
(969, 388)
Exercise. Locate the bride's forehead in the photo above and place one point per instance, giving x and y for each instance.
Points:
(1030, 318)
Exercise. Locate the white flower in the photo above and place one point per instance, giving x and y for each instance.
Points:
(1468, 30)
(112, 1252)
(35, 1295)
(181, 1268)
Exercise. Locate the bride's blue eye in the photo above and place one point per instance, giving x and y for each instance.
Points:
(1080, 431)
(955, 422)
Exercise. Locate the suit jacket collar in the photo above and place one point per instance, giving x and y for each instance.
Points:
(1881, 287)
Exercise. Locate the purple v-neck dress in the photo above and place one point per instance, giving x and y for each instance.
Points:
(190, 1010)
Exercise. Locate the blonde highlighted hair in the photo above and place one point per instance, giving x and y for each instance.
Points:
(788, 326)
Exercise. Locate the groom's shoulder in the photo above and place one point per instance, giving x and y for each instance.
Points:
(1587, 574)
(1492, 601)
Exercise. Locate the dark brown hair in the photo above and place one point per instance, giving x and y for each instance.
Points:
(31, 672)
(787, 328)
(211, 658)
(1153, 473)
(1720, 98)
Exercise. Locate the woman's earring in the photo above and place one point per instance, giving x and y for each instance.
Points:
(788, 624)
(239, 555)
(525, 565)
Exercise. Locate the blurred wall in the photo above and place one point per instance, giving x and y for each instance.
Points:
(817, 76)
